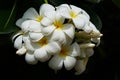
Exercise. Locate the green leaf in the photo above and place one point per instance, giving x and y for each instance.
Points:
(7, 20)
(117, 3)
(57, 2)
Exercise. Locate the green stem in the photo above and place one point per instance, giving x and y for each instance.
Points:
(46, 1)
(10, 15)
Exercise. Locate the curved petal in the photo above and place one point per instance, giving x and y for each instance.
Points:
(46, 7)
(25, 25)
(75, 50)
(48, 30)
(34, 26)
(50, 15)
(28, 43)
(41, 55)
(94, 27)
(31, 13)
(18, 42)
(79, 22)
(69, 30)
(19, 22)
(21, 51)
(77, 10)
(35, 36)
(53, 48)
(69, 62)
(64, 11)
(16, 35)
(59, 18)
(87, 28)
(80, 66)
(56, 63)
(59, 36)
(46, 22)
(30, 59)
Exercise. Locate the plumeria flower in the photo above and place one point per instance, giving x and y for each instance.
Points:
(79, 17)
(65, 57)
(32, 14)
(60, 32)
(43, 48)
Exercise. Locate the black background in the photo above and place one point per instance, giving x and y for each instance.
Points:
(103, 66)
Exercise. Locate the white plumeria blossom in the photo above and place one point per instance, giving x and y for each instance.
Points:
(57, 28)
(79, 16)
(62, 35)
(65, 57)
(44, 48)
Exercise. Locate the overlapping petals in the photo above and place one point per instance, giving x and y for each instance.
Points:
(62, 35)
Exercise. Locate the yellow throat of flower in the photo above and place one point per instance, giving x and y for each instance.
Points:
(43, 41)
(73, 14)
(58, 25)
(39, 18)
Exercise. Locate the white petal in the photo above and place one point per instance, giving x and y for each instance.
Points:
(80, 66)
(34, 26)
(64, 11)
(35, 36)
(46, 7)
(53, 48)
(25, 25)
(31, 13)
(18, 42)
(75, 50)
(94, 28)
(69, 30)
(75, 9)
(30, 59)
(64, 5)
(59, 36)
(28, 44)
(56, 63)
(41, 55)
(19, 22)
(46, 21)
(69, 62)
(16, 35)
(87, 29)
(50, 15)
(79, 22)
(48, 30)
(86, 14)
(59, 18)
(21, 51)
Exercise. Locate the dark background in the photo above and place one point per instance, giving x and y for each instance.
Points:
(103, 65)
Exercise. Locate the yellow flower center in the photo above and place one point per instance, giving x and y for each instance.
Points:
(73, 14)
(39, 18)
(64, 52)
(43, 41)
(58, 25)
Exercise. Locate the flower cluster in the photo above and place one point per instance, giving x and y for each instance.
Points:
(62, 35)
